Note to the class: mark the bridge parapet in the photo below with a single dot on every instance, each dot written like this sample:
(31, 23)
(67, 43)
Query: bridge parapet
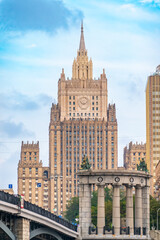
(15, 200)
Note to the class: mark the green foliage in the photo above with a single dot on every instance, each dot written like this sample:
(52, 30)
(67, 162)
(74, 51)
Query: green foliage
(108, 213)
(72, 210)
(85, 163)
(142, 166)
(154, 206)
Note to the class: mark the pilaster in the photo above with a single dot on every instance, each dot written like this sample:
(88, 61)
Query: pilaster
(22, 230)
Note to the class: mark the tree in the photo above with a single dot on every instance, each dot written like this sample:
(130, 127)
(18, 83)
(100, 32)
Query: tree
(142, 166)
(154, 205)
(72, 210)
(85, 163)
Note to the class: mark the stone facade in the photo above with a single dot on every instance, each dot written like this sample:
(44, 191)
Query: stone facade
(81, 123)
(153, 124)
(22, 229)
(133, 155)
(33, 178)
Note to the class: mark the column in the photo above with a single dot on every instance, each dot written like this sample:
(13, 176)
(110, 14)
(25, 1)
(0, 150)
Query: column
(138, 207)
(129, 208)
(22, 229)
(84, 208)
(146, 209)
(100, 209)
(116, 209)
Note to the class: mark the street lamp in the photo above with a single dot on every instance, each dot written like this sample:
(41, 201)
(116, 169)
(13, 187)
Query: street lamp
(157, 217)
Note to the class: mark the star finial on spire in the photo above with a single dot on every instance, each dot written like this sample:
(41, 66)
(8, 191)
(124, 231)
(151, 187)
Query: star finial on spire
(82, 43)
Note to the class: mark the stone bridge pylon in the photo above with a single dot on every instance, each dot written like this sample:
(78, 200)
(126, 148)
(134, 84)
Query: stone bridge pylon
(135, 182)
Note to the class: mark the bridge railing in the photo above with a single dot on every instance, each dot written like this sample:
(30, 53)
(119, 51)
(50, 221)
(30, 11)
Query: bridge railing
(36, 209)
(6, 197)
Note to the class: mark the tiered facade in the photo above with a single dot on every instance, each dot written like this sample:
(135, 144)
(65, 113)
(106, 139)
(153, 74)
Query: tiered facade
(82, 123)
(133, 155)
(33, 178)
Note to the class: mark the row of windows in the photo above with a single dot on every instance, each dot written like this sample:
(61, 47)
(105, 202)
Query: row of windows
(85, 114)
(139, 154)
(73, 97)
(30, 158)
(83, 127)
(70, 114)
(30, 153)
(30, 169)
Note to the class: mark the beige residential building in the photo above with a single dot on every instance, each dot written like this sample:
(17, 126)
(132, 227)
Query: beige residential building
(133, 154)
(33, 178)
(153, 124)
(81, 123)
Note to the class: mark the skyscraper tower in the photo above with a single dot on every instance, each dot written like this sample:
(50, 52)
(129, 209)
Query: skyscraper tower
(81, 123)
(153, 123)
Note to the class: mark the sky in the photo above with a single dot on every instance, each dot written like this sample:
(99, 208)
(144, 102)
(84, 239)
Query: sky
(40, 37)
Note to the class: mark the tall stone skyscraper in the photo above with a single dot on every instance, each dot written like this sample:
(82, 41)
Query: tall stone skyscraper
(81, 123)
(153, 124)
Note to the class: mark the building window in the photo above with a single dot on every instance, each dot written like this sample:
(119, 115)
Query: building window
(30, 158)
(30, 153)
(96, 97)
(73, 97)
(73, 103)
(69, 103)
(69, 97)
(73, 108)
(35, 158)
(92, 108)
(92, 97)
(96, 108)
(92, 103)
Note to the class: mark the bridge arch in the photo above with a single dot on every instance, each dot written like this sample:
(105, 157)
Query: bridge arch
(39, 231)
(7, 230)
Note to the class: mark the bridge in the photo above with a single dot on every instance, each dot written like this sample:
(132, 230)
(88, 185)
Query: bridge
(31, 222)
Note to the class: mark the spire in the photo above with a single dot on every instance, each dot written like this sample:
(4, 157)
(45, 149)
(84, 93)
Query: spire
(82, 43)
